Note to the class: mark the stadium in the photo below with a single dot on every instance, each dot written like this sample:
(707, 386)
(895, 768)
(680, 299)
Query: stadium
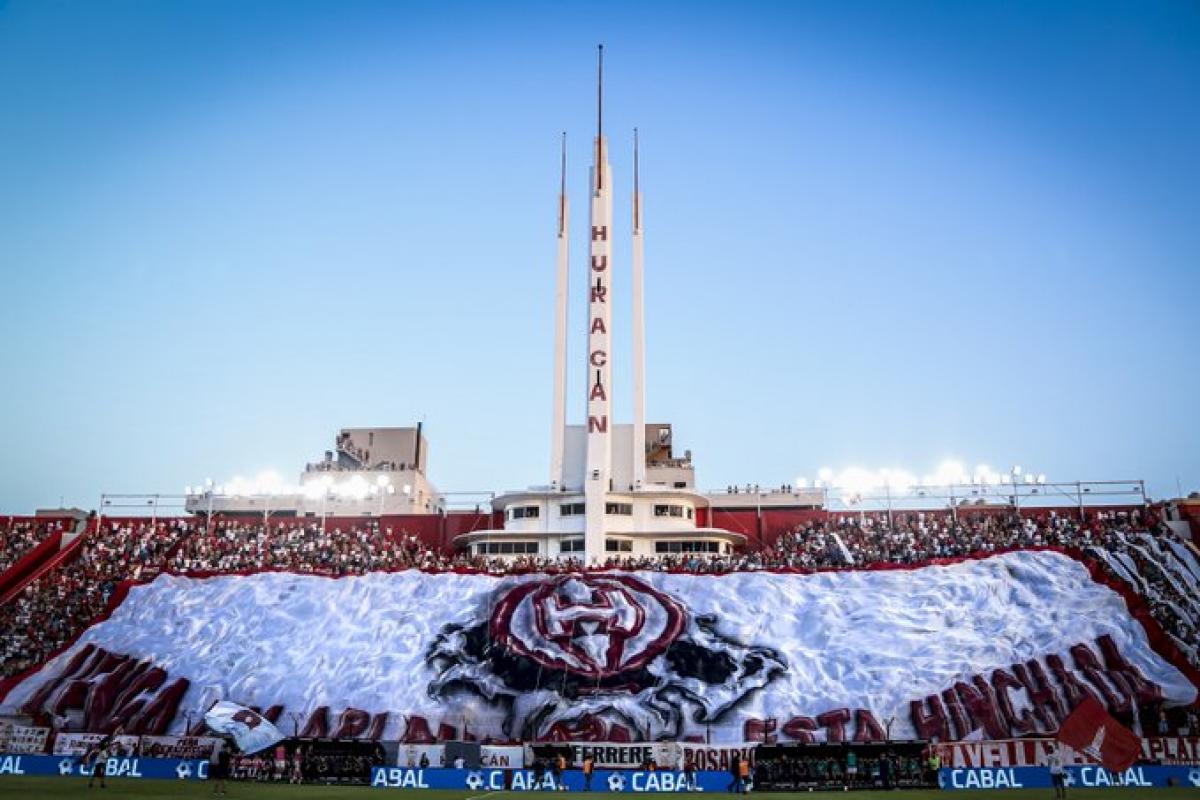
(610, 627)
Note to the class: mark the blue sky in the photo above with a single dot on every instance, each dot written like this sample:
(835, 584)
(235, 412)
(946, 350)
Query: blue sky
(877, 234)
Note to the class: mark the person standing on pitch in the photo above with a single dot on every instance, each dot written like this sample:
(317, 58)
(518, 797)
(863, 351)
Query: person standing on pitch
(100, 764)
(589, 766)
(219, 767)
(1058, 774)
(744, 782)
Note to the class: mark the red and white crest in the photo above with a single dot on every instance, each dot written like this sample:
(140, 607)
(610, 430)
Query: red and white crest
(596, 626)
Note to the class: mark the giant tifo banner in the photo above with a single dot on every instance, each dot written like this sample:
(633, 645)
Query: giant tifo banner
(997, 647)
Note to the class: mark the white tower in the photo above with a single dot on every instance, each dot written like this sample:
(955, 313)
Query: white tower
(638, 446)
(597, 475)
(558, 432)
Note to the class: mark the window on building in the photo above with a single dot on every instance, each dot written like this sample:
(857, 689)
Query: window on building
(687, 547)
(619, 509)
(524, 512)
(669, 511)
(618, 546)
(571, 509)
(571, 546)
(506, 548)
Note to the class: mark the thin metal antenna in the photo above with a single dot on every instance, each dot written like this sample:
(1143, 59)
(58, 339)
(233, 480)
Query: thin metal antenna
(599, 116)
(599, 90)
(637, 211)
(562, 187)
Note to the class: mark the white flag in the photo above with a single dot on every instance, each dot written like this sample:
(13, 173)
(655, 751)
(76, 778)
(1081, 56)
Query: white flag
(248, 728)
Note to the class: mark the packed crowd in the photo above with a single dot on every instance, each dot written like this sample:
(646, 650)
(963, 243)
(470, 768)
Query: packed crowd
(913, 538)
(56, 607)
(19, 537)
(233, 546)
(1166, 574)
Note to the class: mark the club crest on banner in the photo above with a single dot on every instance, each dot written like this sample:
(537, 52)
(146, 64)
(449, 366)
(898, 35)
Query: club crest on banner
(577, 652)
(596, 626)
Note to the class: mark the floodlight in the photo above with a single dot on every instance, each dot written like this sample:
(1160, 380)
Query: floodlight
(383, 480)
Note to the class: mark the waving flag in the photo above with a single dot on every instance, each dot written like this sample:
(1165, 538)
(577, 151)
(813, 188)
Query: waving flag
(1089, 729)
(248, 728)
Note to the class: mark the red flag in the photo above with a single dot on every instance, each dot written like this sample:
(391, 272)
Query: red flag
(1091, 730)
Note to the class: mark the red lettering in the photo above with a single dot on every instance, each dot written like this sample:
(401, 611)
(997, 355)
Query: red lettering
(598, 424)
(760, 730)
(800, 728)
(377, 726)
(599, 293)
(600, 233)
(1125, 674)
(317, 725)
(598, 326)
(597, 393)
(158, 715)
(598, 358)
(352, 724)
(599, 263)
(1073, 688)
(1002, 681)
(73, 696)
(38, 701)
(1087, 663)
(834, 722)
(102, 694)
(143, 681)
(977, 700)
(958, 714)
(932, 724)
(416, 731)
(867, 728)
(1046, 705)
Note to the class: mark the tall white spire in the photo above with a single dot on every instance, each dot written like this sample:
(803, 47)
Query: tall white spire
(599, 363)
(558, 431)
(638, 448)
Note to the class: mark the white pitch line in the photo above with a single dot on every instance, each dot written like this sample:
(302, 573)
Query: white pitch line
(485, 794)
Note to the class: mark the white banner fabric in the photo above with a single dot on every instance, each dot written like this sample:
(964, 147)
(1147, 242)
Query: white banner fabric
(641, 656)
